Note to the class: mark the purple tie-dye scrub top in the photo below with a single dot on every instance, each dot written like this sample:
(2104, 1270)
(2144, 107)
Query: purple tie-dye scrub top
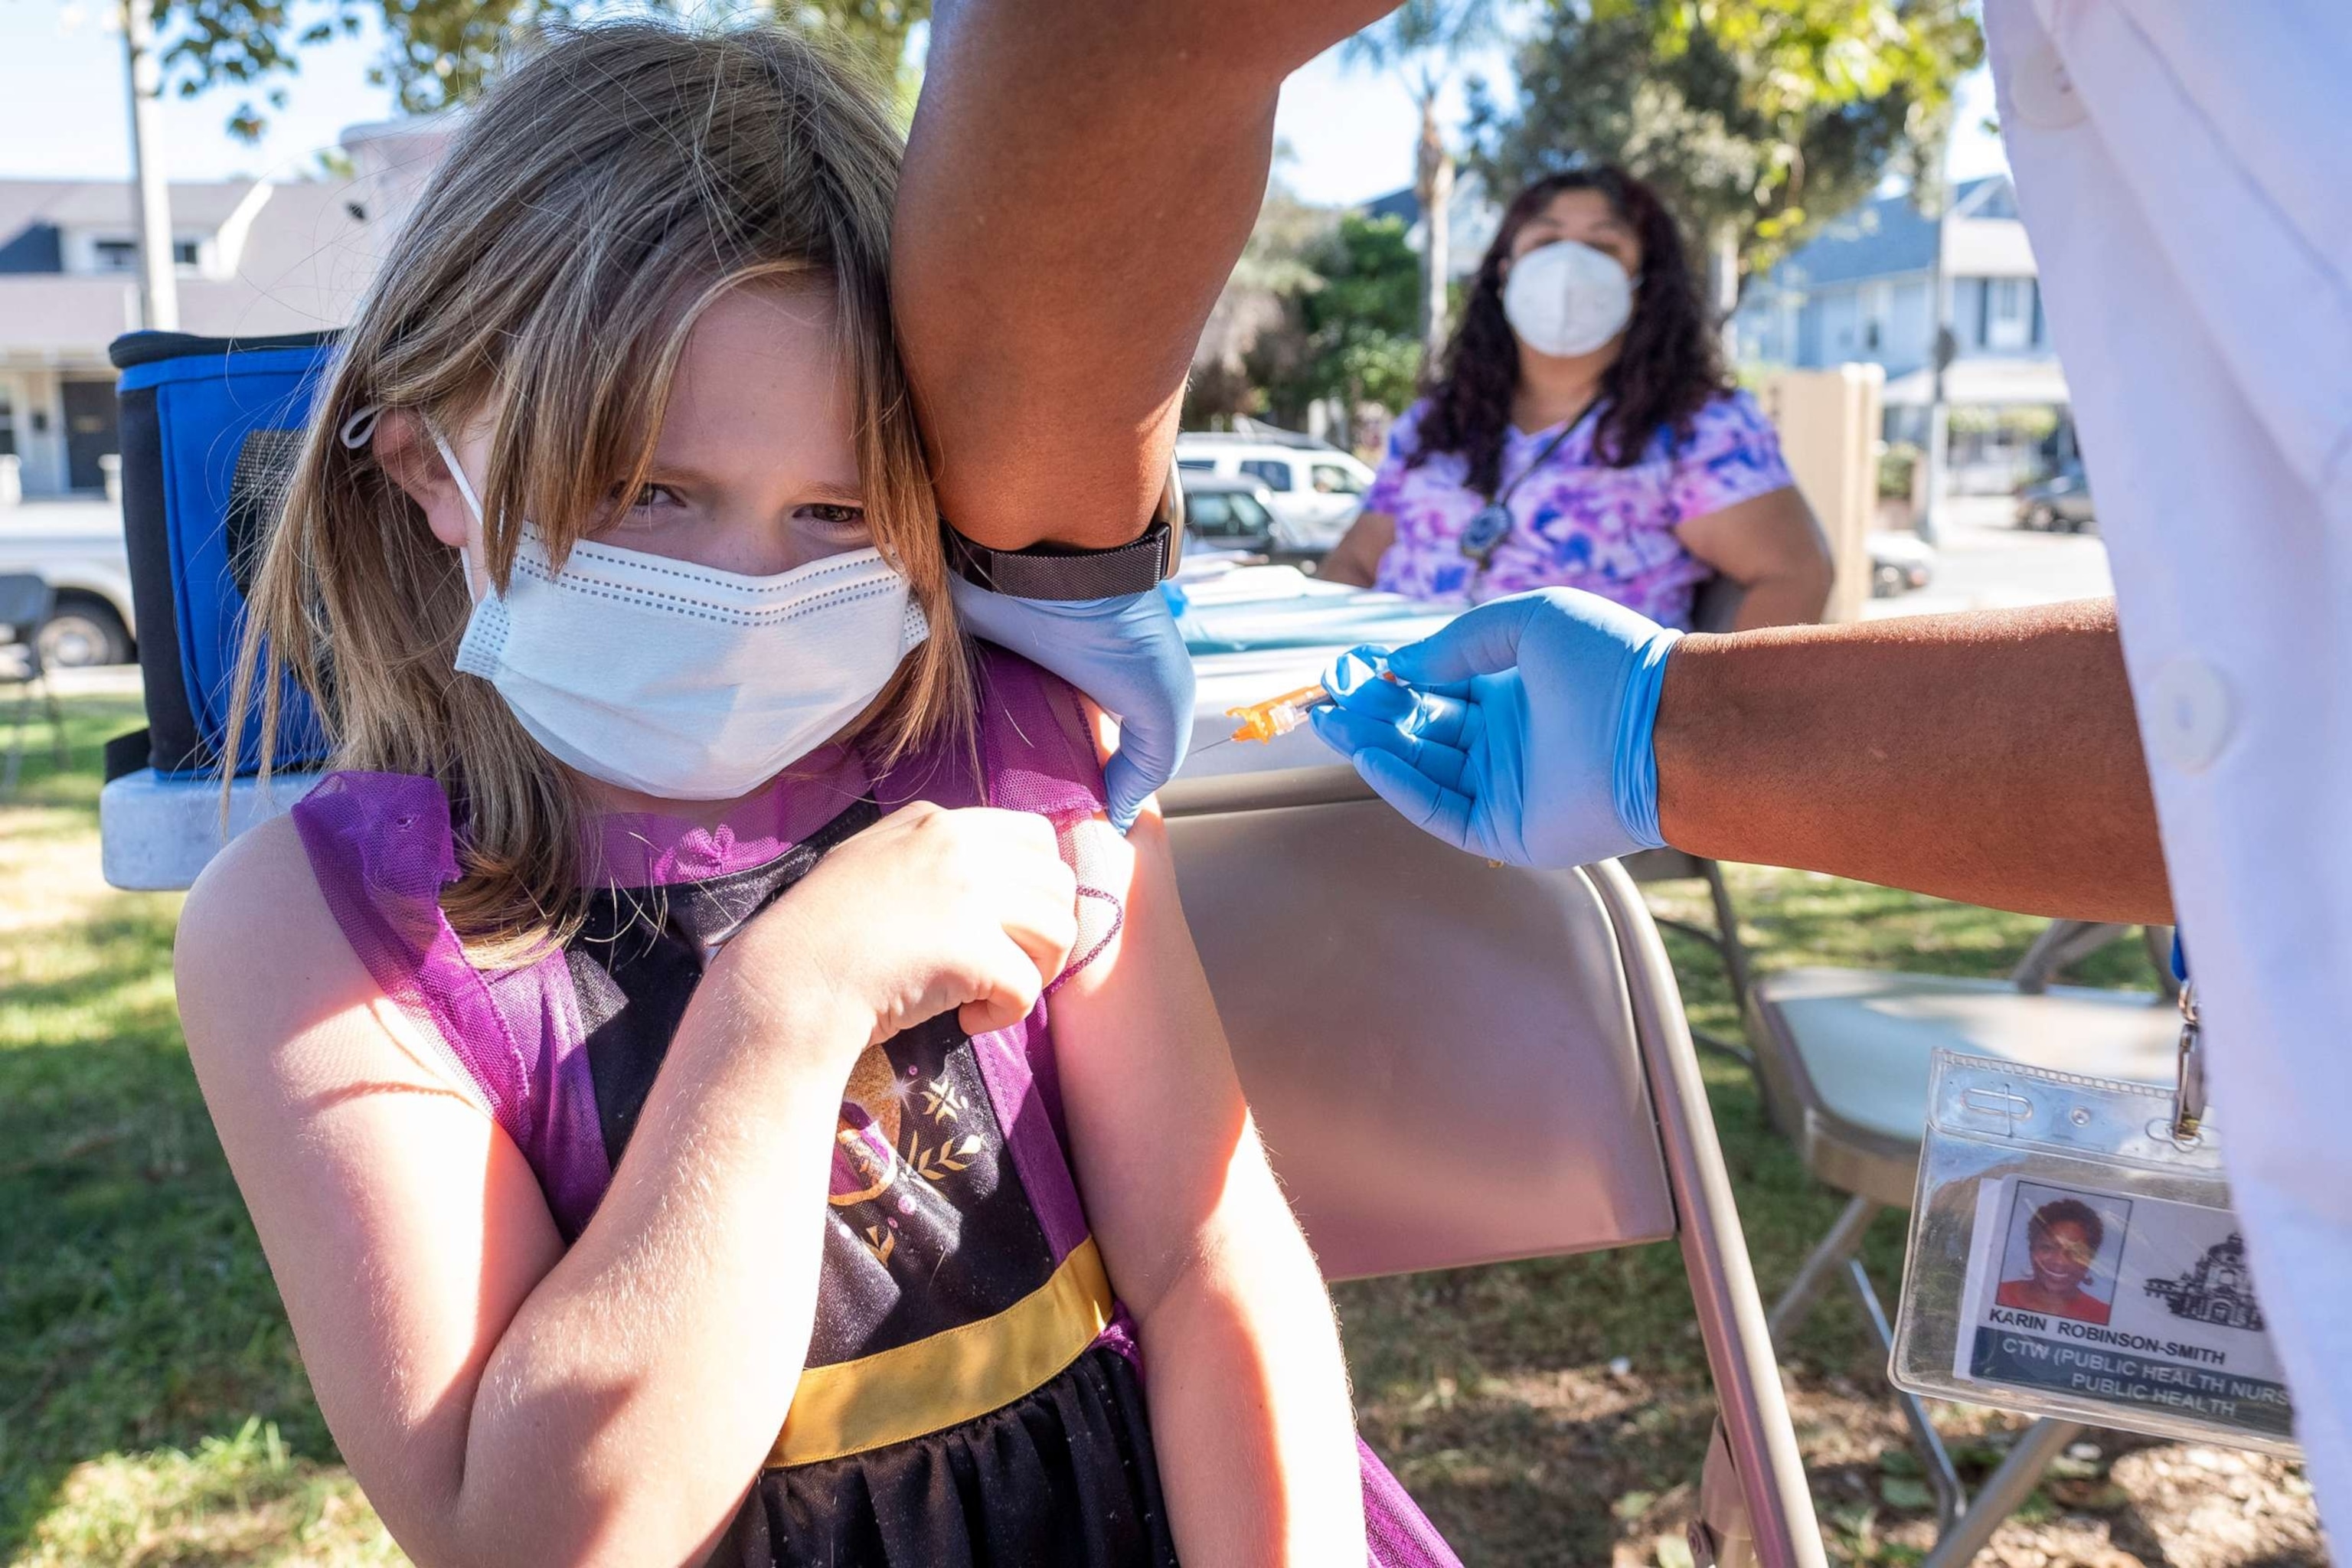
(1576, 522)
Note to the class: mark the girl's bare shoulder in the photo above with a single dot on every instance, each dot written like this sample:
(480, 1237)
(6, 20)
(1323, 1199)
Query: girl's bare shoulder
(258, 952)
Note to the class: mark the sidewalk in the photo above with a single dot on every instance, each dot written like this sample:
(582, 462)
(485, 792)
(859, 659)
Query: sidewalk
(1984, 563)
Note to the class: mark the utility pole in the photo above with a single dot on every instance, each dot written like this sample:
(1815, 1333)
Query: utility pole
(1939, 424)
(1723, 275)
(159, 289)
(1939, 355)
(1433, 187)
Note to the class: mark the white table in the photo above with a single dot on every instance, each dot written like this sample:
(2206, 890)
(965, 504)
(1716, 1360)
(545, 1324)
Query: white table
(1256, 632)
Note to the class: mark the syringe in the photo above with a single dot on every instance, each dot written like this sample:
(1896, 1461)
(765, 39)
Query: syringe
(1277, 715)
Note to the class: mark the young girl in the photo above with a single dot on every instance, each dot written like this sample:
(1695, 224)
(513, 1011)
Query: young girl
(637, 1059)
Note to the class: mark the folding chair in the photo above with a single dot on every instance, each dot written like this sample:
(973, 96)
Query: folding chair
(24, 602)
(1415, 1028)
(1844, 1058)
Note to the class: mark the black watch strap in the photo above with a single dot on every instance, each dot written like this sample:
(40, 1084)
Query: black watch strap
(1061, 572)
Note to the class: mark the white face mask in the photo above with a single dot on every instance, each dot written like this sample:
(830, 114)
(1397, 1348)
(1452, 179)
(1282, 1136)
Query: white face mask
(679, 680)
(1567, 298)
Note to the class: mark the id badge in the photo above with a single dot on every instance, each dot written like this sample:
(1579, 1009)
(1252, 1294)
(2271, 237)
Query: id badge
(2073, 1254)
(1484, 534)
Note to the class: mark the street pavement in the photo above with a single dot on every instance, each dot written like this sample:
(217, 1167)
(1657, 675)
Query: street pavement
(1984, 563)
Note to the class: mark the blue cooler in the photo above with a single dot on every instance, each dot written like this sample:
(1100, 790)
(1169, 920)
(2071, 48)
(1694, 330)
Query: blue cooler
(211, 427)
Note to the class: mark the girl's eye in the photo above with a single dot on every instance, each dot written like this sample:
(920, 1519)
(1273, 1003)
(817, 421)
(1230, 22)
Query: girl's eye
(834, 515)
(649, 497)
(652, 507)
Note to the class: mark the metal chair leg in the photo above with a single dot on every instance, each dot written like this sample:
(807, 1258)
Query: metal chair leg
(2005, 1491)
(16, 743)
(1832, 1252)
(1726, 923)
(59, 755)
(1724, 942)
(1951, 1500)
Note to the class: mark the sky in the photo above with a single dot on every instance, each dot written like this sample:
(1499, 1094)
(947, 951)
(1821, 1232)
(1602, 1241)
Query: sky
(1348, 132)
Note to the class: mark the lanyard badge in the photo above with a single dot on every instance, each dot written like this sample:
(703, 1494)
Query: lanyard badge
(1484, 532)
(1488, 527)
(2073, 1254)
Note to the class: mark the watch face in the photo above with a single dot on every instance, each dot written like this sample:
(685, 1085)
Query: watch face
(1485, 534)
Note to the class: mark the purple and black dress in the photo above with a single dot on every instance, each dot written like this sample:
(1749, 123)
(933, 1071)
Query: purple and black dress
(973, 1393)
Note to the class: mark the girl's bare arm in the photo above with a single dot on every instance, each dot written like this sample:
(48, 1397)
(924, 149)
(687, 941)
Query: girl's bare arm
(1249, 1411)
(505, 1400)
(502, 1400)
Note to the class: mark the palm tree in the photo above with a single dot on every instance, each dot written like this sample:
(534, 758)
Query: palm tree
(1421, 41)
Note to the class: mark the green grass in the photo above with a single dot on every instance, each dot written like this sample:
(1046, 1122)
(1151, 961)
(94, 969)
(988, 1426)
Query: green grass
(140, 1334)
(154, 1410)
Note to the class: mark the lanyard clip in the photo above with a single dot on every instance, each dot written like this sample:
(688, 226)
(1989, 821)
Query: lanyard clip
(2188, 1089)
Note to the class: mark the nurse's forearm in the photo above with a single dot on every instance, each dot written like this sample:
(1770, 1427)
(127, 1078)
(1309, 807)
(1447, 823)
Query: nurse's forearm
(1079, 180)
(1992, 758)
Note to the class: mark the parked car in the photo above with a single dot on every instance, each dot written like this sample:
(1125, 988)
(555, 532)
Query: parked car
(77, 547)
(1314, 490)
(2059, 504)
(1229, 512)
(1899, 563)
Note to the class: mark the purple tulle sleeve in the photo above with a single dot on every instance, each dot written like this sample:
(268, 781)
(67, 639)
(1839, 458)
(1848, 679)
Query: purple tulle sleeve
(382, 849)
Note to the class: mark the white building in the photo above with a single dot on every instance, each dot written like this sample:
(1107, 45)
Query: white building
(255, 259)
(1859, 291)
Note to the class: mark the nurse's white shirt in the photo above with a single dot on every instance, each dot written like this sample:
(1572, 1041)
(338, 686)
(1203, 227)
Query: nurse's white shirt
(2185, 172)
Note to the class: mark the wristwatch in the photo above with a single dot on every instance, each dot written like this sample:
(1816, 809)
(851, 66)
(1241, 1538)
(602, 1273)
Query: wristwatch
(1063, 572)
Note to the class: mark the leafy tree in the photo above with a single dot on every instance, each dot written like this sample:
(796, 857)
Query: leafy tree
(1252, 335)
(1422, 41)
(1344, 325)
(438, 53)
(1757, 119)
(1360, 323)
(1322, 305)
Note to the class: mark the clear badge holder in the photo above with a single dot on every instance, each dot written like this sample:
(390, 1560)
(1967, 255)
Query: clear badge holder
(2073, 1254)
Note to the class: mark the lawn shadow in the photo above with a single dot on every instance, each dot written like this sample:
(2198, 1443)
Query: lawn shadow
(135, 1307)
(135, 1311)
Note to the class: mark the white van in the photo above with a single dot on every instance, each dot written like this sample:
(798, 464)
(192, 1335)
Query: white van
(76, 546)
(1315, 489)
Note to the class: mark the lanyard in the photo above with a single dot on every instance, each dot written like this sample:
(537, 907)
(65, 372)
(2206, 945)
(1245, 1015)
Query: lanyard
(1484, 532)
(2188, 1085)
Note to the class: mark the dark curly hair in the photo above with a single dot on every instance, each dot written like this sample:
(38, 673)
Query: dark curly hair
(1668, 369)
(2068, 1210)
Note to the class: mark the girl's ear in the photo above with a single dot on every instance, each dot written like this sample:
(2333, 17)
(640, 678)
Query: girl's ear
(413, 460)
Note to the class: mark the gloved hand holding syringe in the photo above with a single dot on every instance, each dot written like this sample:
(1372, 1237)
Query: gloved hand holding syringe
(1278, 716)
(1521, 732)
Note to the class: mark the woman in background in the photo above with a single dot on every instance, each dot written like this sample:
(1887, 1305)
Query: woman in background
(1583, 433)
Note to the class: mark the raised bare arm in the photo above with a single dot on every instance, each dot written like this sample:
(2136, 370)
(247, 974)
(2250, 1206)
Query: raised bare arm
(1079, 181)
(1992, 758)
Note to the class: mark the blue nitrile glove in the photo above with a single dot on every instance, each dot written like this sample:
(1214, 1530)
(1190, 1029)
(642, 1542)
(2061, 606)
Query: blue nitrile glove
(1125, 653)
(1523, 729)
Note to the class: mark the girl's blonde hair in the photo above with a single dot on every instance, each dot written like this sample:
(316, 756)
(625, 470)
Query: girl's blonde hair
(616, 181)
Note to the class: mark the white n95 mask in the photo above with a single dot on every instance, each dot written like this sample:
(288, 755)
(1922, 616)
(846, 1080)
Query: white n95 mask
(1567, 298)
(679, 680)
